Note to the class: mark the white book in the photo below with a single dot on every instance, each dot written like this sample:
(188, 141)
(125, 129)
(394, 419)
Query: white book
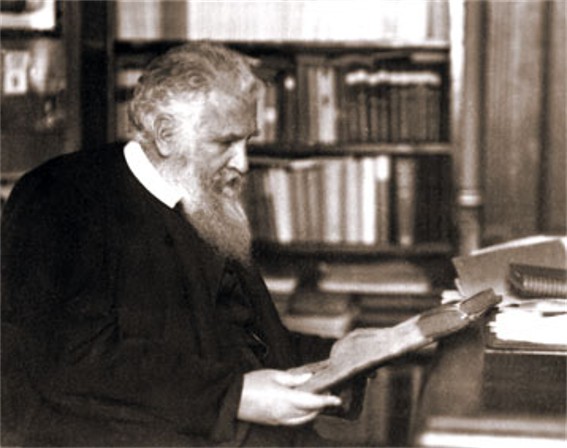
(281, 195)
(333, 200)
(352, 201)
(383, 173)
(368, 201)
(327, 105)
(137, 20)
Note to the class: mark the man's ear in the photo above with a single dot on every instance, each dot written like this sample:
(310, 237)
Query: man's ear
(164, 130)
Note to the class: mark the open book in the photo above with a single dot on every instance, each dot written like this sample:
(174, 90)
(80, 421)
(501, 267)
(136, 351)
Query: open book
(380, 345)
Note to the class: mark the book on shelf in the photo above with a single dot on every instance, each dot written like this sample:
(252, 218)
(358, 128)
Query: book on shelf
(383, 176)
(267, 114)
(314, 312)
(334, 222)
(391, 277)
(288, 106)
(405, 169)
(279, 183)
(315, 302)
(352, 201)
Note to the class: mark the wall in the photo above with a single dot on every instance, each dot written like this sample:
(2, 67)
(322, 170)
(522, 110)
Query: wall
(523, 119)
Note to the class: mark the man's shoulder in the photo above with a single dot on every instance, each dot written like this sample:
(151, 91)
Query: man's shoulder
(82, 169)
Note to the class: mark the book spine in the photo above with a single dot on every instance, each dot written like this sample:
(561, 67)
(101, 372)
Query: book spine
(394, 104)
(383, 173)
(333, 203)
(352, 201)
(405, 194)
(281, 193)
(303, 104)
(327, 102)
(368, 201)
(288, 107)
(312, 191)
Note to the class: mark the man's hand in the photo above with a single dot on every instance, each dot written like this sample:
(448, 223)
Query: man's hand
(269, 398)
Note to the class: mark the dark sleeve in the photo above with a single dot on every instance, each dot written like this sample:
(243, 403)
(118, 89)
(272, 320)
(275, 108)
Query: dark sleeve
(54, 256)
(310, 348)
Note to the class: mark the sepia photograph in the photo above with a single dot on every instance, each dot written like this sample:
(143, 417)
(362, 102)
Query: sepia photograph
(283, 223)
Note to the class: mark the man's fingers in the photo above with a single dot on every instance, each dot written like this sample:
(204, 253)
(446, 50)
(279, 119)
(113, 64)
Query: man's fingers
(303, 419)
(308, 401)
(292, 380)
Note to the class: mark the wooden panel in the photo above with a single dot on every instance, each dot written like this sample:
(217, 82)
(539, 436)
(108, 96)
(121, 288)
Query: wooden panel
(553, 195)
(513, 125)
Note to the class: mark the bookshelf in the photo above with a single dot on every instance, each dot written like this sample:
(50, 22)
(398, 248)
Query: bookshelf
(40, 112)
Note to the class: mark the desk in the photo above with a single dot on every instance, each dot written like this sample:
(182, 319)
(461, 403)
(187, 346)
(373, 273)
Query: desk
(479, 397)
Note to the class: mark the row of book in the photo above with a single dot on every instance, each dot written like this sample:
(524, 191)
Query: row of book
(253, 20)
(323, 102)
(370, 200)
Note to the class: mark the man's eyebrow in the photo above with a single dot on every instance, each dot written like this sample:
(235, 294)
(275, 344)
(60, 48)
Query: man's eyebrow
(233, 136)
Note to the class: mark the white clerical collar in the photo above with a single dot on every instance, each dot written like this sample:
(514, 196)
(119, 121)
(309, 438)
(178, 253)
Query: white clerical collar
(149, 177)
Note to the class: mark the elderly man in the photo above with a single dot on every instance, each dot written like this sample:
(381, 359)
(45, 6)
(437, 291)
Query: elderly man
(129, 288)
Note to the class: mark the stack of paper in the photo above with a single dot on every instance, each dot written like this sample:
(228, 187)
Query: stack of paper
(530, 275)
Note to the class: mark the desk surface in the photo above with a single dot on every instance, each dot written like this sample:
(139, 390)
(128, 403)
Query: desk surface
(479, 397)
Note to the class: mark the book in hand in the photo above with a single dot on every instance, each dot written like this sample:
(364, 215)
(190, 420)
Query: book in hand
(528, 280)
(374, 347)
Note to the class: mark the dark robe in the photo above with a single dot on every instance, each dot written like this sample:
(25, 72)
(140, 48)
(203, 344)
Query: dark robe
(116, 316)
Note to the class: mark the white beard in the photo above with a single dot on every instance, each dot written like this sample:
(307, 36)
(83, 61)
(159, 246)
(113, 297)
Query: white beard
(220, 219)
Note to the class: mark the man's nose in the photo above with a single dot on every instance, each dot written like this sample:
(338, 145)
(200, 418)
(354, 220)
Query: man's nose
(239, 158)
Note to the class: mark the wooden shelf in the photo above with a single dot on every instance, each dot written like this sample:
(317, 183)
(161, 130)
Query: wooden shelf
(294, 46)
(324, 250)
(345, 149)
